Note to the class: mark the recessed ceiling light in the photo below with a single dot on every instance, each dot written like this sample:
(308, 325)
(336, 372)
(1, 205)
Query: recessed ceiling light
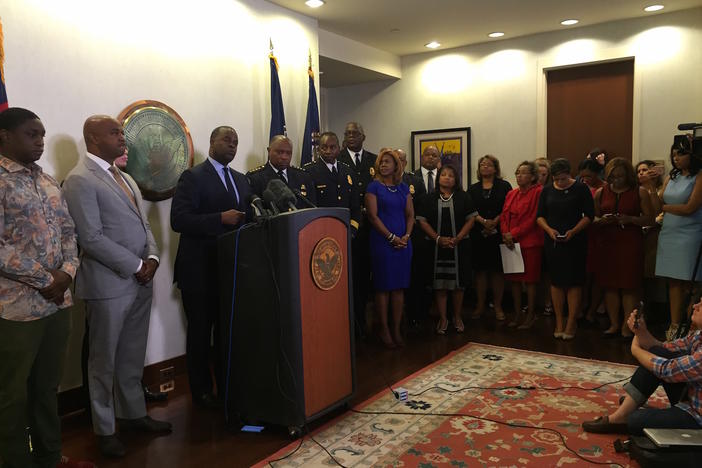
(496, 34)
(432, 45)
(651, 8)
(314, 3)
(395, 30)
(569, 22)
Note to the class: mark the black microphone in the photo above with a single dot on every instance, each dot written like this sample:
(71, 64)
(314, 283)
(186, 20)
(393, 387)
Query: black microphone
(689, 126)
(269, 197)
(304, 199)
(284, 198)
(257, 205)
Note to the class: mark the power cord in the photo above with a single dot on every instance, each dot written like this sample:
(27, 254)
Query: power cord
(504, 423)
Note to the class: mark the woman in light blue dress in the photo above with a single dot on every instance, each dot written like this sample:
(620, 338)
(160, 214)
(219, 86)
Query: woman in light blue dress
(681, 235)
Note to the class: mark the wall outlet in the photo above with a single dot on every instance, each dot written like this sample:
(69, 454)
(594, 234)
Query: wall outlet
(167, 379)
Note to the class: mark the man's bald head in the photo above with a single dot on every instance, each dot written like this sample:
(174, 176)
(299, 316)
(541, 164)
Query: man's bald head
(224, 141)
(280, 152)
(431, 158)
(104, 137)
(354, 136)
(402, 155)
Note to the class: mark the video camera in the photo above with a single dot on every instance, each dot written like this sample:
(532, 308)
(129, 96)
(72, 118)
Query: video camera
(689, 143)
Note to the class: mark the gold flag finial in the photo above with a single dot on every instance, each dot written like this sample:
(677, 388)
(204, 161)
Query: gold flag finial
(309, 51)
(270, 41)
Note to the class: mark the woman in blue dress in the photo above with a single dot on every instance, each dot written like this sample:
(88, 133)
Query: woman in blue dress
(681, 235)
(391, 213)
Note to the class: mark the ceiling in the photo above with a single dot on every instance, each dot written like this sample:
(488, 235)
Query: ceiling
(456, 23)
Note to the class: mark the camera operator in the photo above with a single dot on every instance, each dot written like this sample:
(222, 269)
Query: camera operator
(677, 365)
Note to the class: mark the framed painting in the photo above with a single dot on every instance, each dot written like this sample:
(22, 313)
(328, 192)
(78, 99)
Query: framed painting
(453, 145)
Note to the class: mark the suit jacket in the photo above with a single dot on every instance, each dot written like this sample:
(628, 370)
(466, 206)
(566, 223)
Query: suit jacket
(199, 199)
(297, 179)
(364, 174)
(113, 234)
(333, 191)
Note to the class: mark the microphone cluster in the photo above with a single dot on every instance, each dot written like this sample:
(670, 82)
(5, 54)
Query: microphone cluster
(277, 198)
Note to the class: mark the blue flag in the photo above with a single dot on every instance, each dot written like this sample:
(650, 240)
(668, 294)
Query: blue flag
(3, 93)
(312, 122)
(277, 113)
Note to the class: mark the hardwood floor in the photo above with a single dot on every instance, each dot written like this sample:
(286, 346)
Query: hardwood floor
(201, 439)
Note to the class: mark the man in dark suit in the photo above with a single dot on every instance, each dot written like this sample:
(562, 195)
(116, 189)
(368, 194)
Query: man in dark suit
(278, 167)
(419, 294)
(362, 163)
(211, 199)
(118, 262)
(431, 163)
(333, 180)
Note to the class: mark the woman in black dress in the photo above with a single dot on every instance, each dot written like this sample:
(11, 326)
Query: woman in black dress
(565, 210)
(488, 195)
(446, 217)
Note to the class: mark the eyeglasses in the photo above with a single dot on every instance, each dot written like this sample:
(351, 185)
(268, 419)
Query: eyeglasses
(352, 133)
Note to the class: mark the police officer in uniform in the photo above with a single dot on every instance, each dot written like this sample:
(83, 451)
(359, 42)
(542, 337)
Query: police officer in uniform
(278, 167)
(362, 163)
(334, 184)
(416, 187)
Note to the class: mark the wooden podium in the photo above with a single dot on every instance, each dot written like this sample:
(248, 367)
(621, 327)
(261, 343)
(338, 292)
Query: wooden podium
(287, 317)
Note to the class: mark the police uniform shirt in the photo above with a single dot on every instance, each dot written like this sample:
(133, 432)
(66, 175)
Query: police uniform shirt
(363, 173)
(294, 177)
(338, 190)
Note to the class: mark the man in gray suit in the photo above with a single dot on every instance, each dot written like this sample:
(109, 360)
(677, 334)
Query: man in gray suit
(118, 262)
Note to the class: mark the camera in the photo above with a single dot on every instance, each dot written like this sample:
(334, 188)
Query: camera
(689, 143)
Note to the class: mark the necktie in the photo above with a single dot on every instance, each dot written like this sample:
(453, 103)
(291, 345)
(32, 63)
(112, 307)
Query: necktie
(430, 182)
(122, 184)
(335, 173)
(358, 160)
(281, 174)
(230, 187)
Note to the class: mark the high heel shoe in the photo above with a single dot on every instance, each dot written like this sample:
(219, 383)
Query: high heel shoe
(441, 327)
(387, 340)
(558, 335)
(528, 322)
(460, 327)
(567, 337)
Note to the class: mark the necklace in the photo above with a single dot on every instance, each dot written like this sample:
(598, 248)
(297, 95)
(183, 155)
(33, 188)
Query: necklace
(393, 190)
(445, 199)
(487, 193)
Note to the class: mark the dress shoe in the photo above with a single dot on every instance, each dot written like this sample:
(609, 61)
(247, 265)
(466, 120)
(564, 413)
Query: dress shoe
(145, 424)
(528, 321)
(111, 447)
(460, 327)
(566, 336)
(558, 335)
(154, 396)
(66, 462)
(602, 425)
(207, 401)
(441, 327)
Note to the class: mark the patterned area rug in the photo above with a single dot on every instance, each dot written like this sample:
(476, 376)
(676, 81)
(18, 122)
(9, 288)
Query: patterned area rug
(405, 434)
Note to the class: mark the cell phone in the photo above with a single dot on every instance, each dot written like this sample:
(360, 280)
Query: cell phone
(639, 312)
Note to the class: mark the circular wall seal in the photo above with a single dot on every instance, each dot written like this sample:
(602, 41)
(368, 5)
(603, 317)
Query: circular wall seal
(160, 147)
(327, 263)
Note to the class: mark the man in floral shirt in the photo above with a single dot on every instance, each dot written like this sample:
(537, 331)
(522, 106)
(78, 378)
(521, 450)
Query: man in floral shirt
(38, 260)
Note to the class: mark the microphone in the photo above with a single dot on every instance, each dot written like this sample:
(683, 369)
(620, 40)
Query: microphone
(257, 205)
(305, 200)
(270, 199)
(689, 126)
(284, 198)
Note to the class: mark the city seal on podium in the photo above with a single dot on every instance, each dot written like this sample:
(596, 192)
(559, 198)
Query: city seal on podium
(327, 263)
(160, 147)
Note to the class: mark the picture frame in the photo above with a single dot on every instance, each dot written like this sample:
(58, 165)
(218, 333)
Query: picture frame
(453, 145)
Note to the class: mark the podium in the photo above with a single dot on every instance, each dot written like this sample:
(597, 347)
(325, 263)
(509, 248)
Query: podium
(286, 317)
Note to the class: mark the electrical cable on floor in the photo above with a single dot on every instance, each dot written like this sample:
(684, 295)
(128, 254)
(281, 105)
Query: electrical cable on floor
(504, 423)
(270, 462)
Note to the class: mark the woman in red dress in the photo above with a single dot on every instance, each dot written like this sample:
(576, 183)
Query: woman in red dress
(518, 224)
(621, 209)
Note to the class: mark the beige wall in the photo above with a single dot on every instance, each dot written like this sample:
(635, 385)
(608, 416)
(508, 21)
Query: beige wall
(208, 60)
(498, 89)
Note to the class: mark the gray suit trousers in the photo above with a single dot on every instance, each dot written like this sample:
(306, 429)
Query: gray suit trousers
(118, 330)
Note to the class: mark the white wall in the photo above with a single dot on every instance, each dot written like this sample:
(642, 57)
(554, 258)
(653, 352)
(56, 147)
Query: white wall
(498, 89)
(208, 60)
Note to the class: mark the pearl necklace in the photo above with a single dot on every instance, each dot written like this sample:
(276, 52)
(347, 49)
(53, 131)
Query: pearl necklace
(446, 199)
(393, 190)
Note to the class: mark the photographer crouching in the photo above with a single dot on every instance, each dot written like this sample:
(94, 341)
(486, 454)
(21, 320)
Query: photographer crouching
(677, 365)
